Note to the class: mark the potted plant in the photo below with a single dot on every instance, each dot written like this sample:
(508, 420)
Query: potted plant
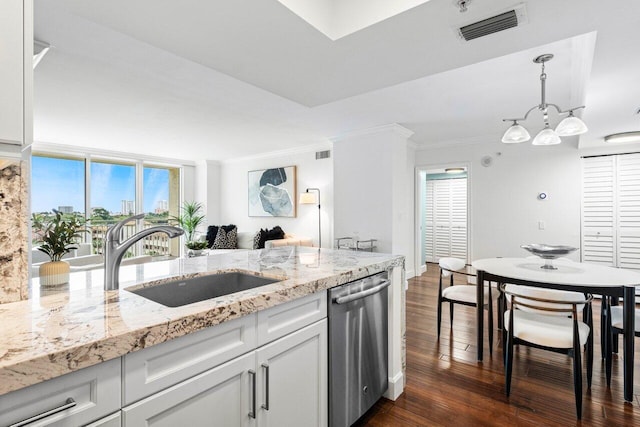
(58, 237)
(189, 220)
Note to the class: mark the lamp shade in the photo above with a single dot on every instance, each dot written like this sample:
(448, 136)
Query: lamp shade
(571, 126)
(547, 136)
(516, 134)
(308, 199)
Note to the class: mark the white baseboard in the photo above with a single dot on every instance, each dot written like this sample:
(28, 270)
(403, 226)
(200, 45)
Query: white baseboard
(396, 387)
(423, 268)
(410, 274)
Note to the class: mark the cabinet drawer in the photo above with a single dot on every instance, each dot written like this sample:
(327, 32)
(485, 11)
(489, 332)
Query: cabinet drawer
(221, 396)
(113, 420)
(156, 368)
(283, 319)
(95, 390)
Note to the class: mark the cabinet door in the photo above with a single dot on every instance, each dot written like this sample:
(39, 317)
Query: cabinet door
(296, 391)
(11, 71)
(221, 396)
(113, 420)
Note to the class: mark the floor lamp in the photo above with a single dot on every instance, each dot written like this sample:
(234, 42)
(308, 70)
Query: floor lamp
(308, 198)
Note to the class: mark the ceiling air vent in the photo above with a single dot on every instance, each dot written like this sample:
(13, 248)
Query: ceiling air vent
(323, 154)
(504, 21)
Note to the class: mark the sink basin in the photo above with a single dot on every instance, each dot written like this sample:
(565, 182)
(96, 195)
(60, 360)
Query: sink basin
(177, 293)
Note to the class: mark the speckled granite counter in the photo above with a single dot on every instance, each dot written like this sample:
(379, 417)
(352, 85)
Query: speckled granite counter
(60, 330)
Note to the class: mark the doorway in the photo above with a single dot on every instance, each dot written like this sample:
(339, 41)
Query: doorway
(443, 212)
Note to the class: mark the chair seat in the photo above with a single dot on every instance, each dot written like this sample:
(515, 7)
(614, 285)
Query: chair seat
(617, 321)
(451, 264)
(543, 330)
(466, 293)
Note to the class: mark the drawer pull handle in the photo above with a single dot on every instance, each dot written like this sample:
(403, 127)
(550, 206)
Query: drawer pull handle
(252, 414)
(69, 403)
(265, 405)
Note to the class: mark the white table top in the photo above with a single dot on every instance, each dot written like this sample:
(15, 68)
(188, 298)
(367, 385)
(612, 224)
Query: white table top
(567, 273)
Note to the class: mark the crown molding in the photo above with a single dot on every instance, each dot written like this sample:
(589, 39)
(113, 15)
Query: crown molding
(311, 148)
(474, 140)
(73, 150)
(391, 127)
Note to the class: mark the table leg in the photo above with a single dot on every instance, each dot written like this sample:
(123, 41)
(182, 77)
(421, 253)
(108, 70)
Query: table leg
(480, 312)
(628, 316)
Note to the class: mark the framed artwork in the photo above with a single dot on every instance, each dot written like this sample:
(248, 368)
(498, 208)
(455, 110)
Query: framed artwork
(272, 192)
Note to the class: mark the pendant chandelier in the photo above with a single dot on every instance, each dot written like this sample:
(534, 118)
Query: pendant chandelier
(569, 126)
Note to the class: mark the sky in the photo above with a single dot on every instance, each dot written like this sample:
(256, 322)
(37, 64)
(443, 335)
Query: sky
(60, 182)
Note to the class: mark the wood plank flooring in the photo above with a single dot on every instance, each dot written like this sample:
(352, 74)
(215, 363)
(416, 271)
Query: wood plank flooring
(446, 386)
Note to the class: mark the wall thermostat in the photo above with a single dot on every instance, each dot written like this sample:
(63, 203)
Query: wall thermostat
(542, 196)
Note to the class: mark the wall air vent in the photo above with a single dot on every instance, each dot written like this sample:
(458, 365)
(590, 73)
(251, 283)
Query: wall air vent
(509, 19)
(323, 154)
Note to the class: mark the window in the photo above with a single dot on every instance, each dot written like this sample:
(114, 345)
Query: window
(115, 190)
(113, 198)
(56, 184)
(161, 190)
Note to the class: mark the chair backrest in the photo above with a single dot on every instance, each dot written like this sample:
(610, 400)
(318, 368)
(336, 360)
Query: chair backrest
(551, 302)
(448, 265)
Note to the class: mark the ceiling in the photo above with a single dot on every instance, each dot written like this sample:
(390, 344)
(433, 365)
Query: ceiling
(223, 79)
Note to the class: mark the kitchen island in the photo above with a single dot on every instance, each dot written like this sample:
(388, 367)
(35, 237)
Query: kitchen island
(59, 331)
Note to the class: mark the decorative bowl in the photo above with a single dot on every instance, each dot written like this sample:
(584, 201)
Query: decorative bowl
(548, 252)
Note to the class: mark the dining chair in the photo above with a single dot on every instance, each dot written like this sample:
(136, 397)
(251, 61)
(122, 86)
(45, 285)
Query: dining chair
(548, 319)
(614, 323)
(463, 294)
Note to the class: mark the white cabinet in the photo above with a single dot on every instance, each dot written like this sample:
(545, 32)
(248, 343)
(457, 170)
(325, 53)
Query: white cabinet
(12, 45)
(87, 395)
(113, 420)
(155, 368)
(218, 397)
(292, 374)
(282, 383)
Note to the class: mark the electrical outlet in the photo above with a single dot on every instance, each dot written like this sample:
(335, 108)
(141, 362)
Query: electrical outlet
(541, 225)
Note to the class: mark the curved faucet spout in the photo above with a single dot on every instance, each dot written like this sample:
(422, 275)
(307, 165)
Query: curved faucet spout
(114, 250)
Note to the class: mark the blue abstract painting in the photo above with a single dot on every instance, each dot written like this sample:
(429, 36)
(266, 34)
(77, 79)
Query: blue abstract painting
(272, 192)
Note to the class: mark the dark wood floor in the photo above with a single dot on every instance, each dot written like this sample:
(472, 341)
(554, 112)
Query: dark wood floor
(446, 386)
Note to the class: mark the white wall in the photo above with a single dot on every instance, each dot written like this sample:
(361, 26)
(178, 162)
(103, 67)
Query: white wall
(504, 209)
(207, 189)
(373, 184)
(310, 173)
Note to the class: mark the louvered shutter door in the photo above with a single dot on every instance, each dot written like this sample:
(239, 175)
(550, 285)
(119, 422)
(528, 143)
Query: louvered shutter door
(442, 230)
(458, 218)
(429, 223)
(598, 210)
(628, 210)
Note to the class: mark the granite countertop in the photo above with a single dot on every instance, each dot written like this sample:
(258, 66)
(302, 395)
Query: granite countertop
(61, 330)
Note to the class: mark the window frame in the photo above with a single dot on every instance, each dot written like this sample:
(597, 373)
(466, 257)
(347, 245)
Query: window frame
(138, 162)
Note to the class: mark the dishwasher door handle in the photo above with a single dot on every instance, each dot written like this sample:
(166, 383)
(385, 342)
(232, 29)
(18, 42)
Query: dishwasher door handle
(348, 298)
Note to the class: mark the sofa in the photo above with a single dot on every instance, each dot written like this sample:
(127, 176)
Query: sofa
(245, 242)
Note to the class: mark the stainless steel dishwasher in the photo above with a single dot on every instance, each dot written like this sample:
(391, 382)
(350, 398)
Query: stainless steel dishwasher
(357, 348)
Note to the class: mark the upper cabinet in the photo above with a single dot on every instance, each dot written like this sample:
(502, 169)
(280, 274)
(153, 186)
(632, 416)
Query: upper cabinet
(16, 47)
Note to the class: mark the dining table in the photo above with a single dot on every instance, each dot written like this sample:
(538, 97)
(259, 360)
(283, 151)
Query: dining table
(594, 279)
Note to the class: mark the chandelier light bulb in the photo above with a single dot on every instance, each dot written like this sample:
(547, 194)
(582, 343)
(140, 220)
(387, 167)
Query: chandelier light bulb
(516, 134)
(546, 136)
(571, 126)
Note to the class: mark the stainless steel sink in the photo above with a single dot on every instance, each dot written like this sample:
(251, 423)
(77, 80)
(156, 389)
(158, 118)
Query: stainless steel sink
(177, 293)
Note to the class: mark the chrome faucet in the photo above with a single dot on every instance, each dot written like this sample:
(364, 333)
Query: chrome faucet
(114, 249)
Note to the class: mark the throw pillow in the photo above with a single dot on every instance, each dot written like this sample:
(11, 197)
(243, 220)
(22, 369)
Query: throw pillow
(256, 240)
(212, 232)
(265, 234)
(226, 240)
